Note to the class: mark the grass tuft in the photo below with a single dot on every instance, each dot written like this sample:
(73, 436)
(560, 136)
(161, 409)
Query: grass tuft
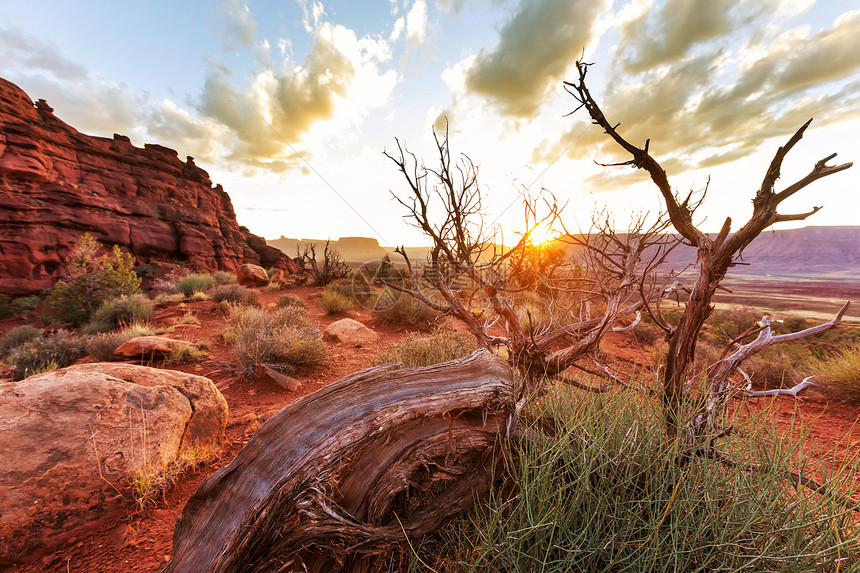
(118, 312)
(441, 345)
(194, 283)
(335, 302)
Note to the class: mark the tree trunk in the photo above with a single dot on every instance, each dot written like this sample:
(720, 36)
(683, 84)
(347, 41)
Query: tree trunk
(338, 478)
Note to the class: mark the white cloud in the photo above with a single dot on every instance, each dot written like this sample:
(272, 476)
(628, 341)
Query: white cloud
(416, 23)
(236, 26)
(397, 30)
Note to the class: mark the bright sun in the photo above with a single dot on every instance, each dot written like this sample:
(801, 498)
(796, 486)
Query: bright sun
(542, 234)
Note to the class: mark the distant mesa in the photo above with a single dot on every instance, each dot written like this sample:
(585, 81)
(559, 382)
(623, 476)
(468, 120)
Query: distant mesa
(57, 184)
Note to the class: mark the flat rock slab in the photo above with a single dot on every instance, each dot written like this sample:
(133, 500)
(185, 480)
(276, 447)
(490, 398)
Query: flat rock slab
(73, 438)
(148, 346)
(351, 332)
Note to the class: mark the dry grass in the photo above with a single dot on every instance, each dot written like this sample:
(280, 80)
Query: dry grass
(148, 483)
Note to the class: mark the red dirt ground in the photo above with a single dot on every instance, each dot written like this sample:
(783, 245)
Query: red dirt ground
(129, 541)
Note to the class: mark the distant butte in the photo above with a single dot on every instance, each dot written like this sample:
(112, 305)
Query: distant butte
(57, 184)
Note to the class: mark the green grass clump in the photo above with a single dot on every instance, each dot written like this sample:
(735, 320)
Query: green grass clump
(839, 375)
(235, 293)
(198, 282)
(5, 307)
(286, 300)
(405, 310)
(102, 346)
(118, 312)
(283, 340)
(607, 492)
(25, 305)
(223, 278)
(46, 353)
(14, 338)
(335, 302)
(441, 345)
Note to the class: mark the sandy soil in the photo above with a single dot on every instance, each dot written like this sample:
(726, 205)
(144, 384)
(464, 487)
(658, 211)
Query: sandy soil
(131, 541)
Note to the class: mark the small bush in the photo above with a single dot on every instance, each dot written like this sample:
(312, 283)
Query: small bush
(89, 280)
(145, 270)
(198, 296)
(282, 340)
(25, 305)
(271, 287)
(235, 293)
(440, 346)
(118, 312)
(334, 302)
(165, 287)
(223, 278)
(5, 308)
(406, 310)
(16, 337)
(291, 300)
(149, 482)
(647, 334)
(840, 375)
(198, 282)
(102, 346)
(186, 353)
(46, 353)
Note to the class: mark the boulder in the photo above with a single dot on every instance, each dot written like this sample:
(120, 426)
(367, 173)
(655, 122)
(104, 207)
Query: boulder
(72, 440)
(350, 332)
(146, 346)
(57, 184)
(252, 276)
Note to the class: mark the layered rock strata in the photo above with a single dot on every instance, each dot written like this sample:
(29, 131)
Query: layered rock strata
(57, 184)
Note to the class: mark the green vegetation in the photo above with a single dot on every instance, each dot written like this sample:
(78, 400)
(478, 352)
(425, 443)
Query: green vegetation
(16, 337)
(223, 278)
(606, 493)
(839, 375)
(283, 340)
(5, 308)
(441, 345)
(235, 293)
(45, 353)
(118, 312)
(102, 346)
(335, 302)
(405, 311)
(149, 482)
(89, 280)
(198, 282)
(25, 305)
(286, 300)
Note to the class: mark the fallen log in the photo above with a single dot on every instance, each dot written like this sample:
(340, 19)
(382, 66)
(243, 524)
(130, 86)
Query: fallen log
(338, 478)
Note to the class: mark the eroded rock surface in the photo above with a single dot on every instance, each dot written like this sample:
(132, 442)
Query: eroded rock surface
(350, 332)
(57, 184)
(71, 439)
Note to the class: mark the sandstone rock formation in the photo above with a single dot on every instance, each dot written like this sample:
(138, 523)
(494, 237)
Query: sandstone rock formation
(148, 346)
(350, 332)
(72, 438)
(56, 184)
(252, 275)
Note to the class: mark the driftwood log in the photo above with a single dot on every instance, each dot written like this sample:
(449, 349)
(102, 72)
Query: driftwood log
(338, 478)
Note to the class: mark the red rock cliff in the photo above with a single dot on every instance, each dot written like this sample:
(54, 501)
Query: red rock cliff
(57, 184)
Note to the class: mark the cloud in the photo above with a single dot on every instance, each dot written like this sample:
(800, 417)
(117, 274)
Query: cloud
(416, 23)
(339, 77)
(665, 35)
(705, 107)
(21, 52)
(536, 46)
(397, 30)
(235, 25)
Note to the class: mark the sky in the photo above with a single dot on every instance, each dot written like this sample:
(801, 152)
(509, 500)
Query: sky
(290, 104)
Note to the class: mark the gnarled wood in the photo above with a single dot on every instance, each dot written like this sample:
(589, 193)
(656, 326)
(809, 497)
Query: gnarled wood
(340, 476)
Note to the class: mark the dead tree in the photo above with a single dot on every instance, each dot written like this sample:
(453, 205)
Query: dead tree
(339, 478)
(715, 255)
(583, 299)
(324, 271)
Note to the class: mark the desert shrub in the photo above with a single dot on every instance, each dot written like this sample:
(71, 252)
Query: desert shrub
(273, 286)
(197, 282)
(16, 337)
(186, 353)
(647, 334)
(282, 341)
(839, 375)
(335, 302)
(145, 269)
(118, 312)
(89, 280)
(165, 287)
(25, 305)
(101, 346)
(46, 353)
(198, 296)
(149, 481)
(5, 308)
(223, 278)
(234, 293)
(405, 310)
(441, 345)
(603, 495)
(291, 300)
